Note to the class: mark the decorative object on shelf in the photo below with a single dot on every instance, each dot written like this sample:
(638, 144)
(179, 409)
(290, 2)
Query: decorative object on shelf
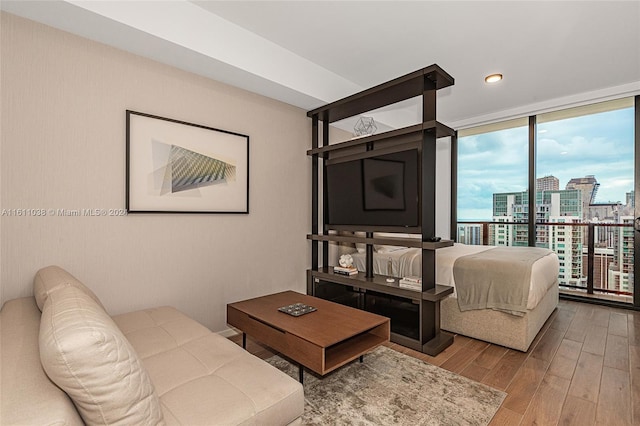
(297, 309)
(365, 126)
(346, 260)
(390, 271)
(178, 167)
(411, 283)
(348, 270)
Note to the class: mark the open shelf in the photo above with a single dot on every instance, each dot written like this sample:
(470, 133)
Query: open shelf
(348, 350)
(389, 241)
(410, 134)
(379, 283)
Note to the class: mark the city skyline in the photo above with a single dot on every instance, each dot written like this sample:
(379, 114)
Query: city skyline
(599, 144)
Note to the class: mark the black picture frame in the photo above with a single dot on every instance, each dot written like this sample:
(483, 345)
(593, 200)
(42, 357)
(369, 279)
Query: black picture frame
(383, 185)
(174, 166)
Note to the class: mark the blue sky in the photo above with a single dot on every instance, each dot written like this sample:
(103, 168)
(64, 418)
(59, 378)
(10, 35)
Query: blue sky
(597, 144)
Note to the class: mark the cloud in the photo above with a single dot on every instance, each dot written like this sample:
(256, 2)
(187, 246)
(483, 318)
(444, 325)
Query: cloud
(598, 144)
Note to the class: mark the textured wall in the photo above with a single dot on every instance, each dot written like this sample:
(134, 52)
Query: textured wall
(63, 147)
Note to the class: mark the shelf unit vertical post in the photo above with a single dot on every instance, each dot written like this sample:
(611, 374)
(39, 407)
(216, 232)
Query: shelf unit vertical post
(433, 340)
(428, 202)
(314, 202)
(325, 207)
(428, 184)
(429, 100)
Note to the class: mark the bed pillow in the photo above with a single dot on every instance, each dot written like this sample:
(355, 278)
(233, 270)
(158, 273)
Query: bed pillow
(344, 247)
(361, 247)
(87, 356)
(387, 248)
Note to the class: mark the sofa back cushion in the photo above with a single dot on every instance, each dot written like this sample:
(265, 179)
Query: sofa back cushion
(52, 278)
(27, 396)
(86, 355)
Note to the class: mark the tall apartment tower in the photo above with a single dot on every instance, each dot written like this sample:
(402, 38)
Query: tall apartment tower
(589, 187)
(631, 199)
(470, 233)
(621, 268)
(547, 183)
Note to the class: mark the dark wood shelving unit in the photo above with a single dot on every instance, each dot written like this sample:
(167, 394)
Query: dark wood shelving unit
(415, 315)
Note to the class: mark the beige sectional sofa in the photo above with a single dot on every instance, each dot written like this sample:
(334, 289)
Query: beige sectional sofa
(65, 361)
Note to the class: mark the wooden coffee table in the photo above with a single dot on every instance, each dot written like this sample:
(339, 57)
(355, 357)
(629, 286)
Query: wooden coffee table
(322, 340)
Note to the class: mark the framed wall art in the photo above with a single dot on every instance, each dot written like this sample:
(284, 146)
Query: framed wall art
(179, 167)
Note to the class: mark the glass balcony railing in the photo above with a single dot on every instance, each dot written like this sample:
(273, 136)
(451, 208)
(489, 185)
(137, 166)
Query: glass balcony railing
(596, 258)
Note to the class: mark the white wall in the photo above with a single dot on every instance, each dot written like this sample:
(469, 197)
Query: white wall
(63, 147)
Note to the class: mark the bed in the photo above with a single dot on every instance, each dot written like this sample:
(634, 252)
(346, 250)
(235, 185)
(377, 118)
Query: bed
(491, 325)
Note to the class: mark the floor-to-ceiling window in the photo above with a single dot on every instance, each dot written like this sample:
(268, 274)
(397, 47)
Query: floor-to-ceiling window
(584, 192)
(585, 156)
(492, 183)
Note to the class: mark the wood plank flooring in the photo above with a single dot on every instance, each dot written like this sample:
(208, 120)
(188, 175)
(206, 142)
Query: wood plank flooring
(582, 369)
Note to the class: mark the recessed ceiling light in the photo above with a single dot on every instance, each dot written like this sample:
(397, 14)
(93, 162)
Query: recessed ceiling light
(493, 78)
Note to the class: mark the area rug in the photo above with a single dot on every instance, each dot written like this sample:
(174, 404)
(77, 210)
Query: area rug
(390, 388)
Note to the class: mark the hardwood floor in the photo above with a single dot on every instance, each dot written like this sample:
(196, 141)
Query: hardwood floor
(583, 368)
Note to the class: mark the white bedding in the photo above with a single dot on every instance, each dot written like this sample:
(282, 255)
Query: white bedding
(408, 261)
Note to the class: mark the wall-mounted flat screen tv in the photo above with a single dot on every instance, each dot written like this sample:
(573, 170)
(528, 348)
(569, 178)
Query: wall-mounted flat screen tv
(381, 190)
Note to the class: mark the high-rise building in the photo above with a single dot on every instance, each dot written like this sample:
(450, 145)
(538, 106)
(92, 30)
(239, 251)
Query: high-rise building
(470, 233)
(566, 241)
(602, 267)
(589, 187)
(510, 207)
(621, 269)
(547, 183)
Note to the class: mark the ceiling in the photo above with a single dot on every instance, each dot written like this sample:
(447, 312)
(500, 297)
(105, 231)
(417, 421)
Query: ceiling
(308, 53)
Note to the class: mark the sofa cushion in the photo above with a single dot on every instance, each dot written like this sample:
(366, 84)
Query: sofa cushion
(204, 378)
(52, 278)
(85, 353)
(28, 396)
